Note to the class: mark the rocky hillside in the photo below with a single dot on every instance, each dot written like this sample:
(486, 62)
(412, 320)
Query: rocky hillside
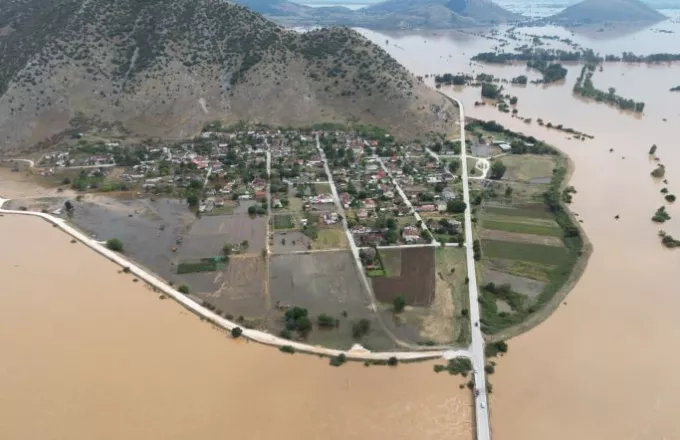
(164, 68)
(600, 11)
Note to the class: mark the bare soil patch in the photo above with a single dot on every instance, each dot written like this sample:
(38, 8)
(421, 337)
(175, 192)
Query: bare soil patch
(289, 241)
(416, 281)
(239, 289)
(208, 235)
(491, 234)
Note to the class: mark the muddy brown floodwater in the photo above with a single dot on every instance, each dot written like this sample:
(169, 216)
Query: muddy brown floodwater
(605, 365)
(88, 353)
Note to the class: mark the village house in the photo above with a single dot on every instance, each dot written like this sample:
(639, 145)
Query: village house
(410, 234)
(427, 208)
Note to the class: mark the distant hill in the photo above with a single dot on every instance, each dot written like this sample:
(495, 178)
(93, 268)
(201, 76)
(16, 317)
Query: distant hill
(166, 67)
(390, 14)
(600, 11)
(477, 12)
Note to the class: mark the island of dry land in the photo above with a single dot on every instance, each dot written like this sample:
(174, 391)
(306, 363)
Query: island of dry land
(330, 235)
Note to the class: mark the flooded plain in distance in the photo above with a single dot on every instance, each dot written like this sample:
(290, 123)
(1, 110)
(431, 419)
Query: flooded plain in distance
(604, 365)
(89, 353)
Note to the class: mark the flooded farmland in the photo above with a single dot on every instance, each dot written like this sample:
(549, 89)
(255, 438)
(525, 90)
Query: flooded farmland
(88, 353)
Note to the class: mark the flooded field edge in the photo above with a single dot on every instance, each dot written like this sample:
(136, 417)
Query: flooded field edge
(255, 335)
(151, 348)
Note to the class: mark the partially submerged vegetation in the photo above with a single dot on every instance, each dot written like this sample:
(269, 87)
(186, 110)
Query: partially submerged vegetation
(668, 241)
(585, 88)
(659, 171)
(661, 215)
(552, 72)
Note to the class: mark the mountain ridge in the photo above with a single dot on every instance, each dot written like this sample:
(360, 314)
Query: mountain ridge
(166, 68)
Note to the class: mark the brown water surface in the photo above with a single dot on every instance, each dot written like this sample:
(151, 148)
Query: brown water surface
(604, 366)
(89, 354)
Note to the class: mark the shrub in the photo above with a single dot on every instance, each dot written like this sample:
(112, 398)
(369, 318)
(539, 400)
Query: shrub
(286, 334)
(115, 245)
(236, 332)
(338, 360)
(653, 149)
(183, 289)
(490, 369)
(670, 198)
(661, 215)
(361, 328)
(325, 320)
(399, 304)
(493, 349)
(287, 349)
(126, 269)
(659, 172)
(393, 361)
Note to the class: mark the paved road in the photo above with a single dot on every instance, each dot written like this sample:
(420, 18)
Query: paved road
(477, 346)
(401, 192)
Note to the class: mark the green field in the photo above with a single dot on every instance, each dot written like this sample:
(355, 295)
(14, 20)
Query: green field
(210, 264)
(525, 252)
(322, 188)
(283, 221)
(331, 238)
(539, 212)
(526, 167)
(523, 228)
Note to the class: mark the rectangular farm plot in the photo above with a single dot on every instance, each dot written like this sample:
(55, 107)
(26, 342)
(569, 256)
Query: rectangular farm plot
(518, 226)
(552, 255)
(516, 237)
(209, 234)
(283, 221)
(323, 283)
(528, 167)
(416, 282)
(239, 290)
(532, 211)
(330, 238)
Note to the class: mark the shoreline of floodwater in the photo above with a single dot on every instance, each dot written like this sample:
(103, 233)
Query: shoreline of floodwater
(251, 334)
